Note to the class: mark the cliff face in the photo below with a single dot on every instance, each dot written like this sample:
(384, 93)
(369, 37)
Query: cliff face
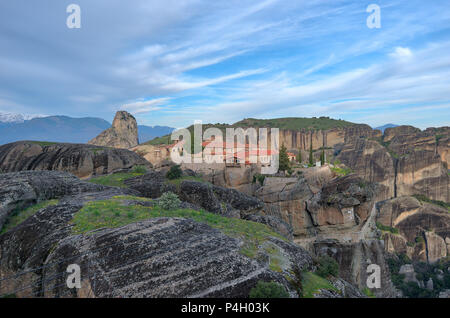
(303, 139)
(421, 229)
(83, 161)
(407, 161)
(122, 134)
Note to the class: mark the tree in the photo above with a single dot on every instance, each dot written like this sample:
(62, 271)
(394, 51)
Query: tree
(174, 172)
(268, 290)
(311, 159)
(284, 159)
(299, 156)
(322, 157)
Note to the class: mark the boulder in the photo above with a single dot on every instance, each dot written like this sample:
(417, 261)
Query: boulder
(122, 134)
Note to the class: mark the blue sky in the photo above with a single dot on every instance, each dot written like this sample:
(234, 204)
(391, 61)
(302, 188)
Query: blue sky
(171, 62)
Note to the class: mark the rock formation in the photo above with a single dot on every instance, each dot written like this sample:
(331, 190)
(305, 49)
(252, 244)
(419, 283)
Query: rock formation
(81, 160)
(156, 257)
(420, 228)
(122, 134)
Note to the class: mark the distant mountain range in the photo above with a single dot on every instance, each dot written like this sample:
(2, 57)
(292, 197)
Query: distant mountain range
(14, 127)
(382, 128)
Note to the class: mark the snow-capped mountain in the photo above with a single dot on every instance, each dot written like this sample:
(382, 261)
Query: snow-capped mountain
(14, 118)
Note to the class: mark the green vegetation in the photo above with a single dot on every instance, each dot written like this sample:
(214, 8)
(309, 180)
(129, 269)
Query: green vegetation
(295, 123)
(299, 156)
(18, 216)
(174, 172)
(322, 157)
(169, 201)
(312, 283)
(115, 179)
(44, 143)
(424, 272)
(139, 169)
(424, 198)
(368, 293)
(177, 182)
(291, 123)
(163, 140)
(341, 171)
(386, 228)
(268, 290)
(327, 267)
(9, 296)
(285, 164)
(311, 158)
(260, 178)
(115, 213)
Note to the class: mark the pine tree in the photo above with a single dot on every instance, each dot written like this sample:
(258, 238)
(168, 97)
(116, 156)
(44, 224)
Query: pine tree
(299, 156)
(322, 157)
(284, 159)
(311, 159)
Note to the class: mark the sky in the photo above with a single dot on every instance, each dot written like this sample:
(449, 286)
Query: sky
(175, 61)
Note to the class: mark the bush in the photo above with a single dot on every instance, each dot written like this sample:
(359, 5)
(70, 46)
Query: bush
(139, 169)
(268, 290)
(327, 267)
(169, 201)
(174, 173)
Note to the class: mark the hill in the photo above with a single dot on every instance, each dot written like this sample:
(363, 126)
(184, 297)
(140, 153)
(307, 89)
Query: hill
(289, 123)
(66, 129)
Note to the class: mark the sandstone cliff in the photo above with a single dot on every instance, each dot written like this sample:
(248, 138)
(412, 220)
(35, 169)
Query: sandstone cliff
(417, 229)
(122, 134)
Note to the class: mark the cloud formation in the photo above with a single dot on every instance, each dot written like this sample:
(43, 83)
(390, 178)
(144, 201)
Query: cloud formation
(170, 62)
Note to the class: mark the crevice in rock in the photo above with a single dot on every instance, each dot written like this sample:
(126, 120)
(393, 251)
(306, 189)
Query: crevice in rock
(396, 161)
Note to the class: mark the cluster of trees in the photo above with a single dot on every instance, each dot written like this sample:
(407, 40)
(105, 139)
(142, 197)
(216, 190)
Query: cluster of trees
(285, 163)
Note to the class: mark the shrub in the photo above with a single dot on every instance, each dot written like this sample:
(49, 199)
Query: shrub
(174, 172)
(327, 267)
(139, 169)
(386, 228)
(268, 290)
(169, 201)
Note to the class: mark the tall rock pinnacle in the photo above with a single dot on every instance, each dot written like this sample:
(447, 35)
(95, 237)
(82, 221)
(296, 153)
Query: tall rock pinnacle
(122, 134)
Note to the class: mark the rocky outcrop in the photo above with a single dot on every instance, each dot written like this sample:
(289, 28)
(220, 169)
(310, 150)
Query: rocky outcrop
(156, 257)
(421, 228)
(122, 134)
(81, 160)
(210, 197)
(371, 161)
(285, 199)
(23, 189)
(354, 259)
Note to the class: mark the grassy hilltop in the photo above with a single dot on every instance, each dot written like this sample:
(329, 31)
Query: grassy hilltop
(289, 123)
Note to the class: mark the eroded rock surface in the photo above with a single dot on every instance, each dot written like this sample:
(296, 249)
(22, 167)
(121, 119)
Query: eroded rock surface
(81, 160)
(122, 134)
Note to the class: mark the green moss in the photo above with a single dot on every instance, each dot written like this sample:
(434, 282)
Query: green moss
(114, 213)
(20, 216)
(115, 179)
(312, 283)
